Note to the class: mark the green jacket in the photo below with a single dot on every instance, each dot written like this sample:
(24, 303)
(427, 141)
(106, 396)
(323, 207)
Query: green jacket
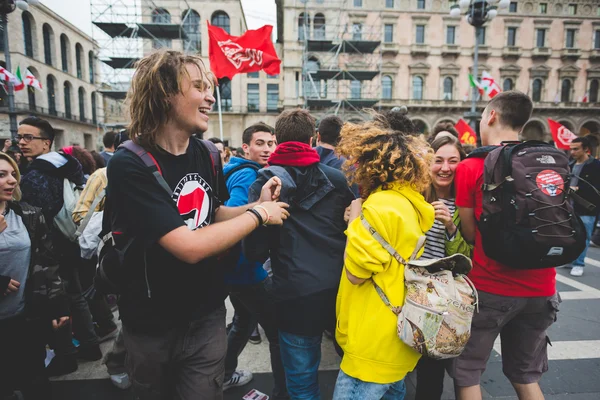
(458, 244)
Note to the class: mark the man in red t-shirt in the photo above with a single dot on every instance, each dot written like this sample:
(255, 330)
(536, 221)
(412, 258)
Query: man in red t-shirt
(518, 305)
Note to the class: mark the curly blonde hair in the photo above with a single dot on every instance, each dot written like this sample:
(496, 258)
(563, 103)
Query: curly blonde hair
(378, 156)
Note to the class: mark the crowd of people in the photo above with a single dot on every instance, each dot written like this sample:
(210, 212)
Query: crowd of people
(305, 227)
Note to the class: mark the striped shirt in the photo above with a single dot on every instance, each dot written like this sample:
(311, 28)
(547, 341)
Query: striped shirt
(435, 245)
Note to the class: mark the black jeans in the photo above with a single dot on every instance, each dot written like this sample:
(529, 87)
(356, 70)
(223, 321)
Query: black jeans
(430, 378)
(253, 304)
(23, 351)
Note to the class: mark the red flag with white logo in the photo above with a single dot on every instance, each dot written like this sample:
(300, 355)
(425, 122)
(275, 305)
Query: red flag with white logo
(251, 52)
(561, 135)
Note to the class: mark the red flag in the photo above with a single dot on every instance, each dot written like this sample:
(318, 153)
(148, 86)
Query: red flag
(251, 52)
(466, 135)
(561, 135)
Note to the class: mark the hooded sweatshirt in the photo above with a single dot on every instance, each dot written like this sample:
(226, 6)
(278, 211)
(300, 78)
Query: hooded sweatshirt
(42, 185)
(246, 272)
(366, 328)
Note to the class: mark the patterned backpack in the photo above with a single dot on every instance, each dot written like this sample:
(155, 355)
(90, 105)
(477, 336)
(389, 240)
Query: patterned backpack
(440, 301)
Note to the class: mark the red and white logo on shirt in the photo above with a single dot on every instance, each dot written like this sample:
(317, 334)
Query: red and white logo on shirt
(193, 196)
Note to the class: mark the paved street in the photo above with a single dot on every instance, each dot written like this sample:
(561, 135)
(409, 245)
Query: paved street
(574, 367)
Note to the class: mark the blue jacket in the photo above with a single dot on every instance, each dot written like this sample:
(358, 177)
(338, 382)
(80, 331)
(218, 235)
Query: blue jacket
(246, 272)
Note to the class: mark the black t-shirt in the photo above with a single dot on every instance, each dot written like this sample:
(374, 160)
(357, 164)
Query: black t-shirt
(162, 290)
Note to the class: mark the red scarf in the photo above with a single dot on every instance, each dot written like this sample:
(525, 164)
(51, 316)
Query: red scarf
(294, 154)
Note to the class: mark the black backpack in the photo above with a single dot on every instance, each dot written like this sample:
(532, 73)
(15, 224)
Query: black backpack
(110, 273)
(528, 220)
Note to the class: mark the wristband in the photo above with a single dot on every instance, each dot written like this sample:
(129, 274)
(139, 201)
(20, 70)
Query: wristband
(267, 211)
(257, 215)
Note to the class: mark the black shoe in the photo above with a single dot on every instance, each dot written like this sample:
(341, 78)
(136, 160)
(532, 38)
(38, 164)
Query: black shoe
(90, 353)
(62, 365)
(255, 338)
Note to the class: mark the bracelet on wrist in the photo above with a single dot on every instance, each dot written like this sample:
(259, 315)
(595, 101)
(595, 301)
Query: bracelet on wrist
(266, 220)
(257, 215)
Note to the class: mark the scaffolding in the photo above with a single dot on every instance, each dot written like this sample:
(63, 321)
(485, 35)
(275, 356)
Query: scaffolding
(127, 29)
(341, 60)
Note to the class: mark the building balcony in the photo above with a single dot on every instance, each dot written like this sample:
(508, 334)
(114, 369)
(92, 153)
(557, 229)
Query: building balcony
(570, 54)
(389, 48)
(419, 50)
(541, 52)
(511, 52)
(484, 51)
(595, 55)
(451, 50)
(25, 108)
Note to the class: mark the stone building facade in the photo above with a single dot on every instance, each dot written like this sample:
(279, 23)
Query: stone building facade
(63, 59)
(413, 53)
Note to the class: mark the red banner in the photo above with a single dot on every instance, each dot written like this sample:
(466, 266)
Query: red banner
(251, 52)
(561, 135)
(466, 135)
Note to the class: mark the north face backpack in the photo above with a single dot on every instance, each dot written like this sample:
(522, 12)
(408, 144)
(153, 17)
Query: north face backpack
(63, 221)
(436, 317)
(528, 220)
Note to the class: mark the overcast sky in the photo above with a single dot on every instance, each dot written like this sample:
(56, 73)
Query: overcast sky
(258, 12)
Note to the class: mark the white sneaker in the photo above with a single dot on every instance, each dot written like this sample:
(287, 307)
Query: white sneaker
(239, 378)
(121, 380)
(577, 271)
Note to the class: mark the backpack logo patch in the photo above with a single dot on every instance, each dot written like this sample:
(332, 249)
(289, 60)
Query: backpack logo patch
(550, 182)
(193, 196)
(546, 160)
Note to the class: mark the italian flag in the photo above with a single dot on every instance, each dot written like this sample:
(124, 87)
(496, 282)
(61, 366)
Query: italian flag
(31, 80)
(489, 85)
(19, 85)
(476, 84)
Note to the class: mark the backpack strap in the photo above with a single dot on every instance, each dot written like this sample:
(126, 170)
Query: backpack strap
(90, 212)
(215, 155)
(149, 161)
(240, 167)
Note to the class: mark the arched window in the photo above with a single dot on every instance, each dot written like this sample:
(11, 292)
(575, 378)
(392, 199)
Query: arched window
(319, 26)
(355, 90)
(191, 26)
(565, 91)
(67, 93)
(48, 36)
(448, 88)
(537, 90)
(312, 87)
(27, 35)
(81, 104)
(51, 95)
(31, 91)
(91, 66)
(386, 84)
(161, 16)
(303, 26)
(417, 82)
(64, 52)
(78, 55)
(221, 19)
(94, 120)
(507, 85)
(594, 91)
(225, 90)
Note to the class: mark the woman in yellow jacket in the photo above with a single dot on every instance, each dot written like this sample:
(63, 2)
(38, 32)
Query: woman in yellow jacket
(392, 170)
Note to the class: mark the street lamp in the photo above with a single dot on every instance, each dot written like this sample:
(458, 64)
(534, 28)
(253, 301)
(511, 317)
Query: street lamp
(477, 13)
(6, 7)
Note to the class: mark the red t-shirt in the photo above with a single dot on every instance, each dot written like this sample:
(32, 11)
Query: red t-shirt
(489, 275)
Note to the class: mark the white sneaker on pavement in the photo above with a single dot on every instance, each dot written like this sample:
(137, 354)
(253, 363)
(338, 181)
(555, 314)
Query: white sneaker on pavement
(238, 378)
(577, 271)
(121, 380)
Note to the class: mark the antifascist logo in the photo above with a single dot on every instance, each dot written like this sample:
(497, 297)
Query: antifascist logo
(550, 182)
(237, 55)
(193, 196)
(565, 135)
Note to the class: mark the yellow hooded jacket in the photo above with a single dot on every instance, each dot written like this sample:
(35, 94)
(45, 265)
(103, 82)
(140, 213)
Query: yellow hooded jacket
(366, 328)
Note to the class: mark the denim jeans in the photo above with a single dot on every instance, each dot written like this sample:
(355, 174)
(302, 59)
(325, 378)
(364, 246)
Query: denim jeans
(347, 387)
(588, 222)
(253, 304)
(301, 356)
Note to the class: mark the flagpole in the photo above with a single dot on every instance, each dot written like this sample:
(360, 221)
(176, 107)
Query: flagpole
(11, 94)
(220, 113)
